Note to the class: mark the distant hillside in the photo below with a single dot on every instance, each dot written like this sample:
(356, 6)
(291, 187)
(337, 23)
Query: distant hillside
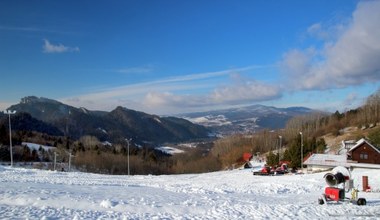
(246, 119)
(24, 121)
(111, 126)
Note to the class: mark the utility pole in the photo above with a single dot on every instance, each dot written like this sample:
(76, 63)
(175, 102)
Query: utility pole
(55, 160)
(301, 150)
(10, 133)
(128, 140)
(70, 156)
(279, 158)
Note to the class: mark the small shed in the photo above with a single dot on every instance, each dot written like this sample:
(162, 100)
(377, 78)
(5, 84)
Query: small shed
(364, 152)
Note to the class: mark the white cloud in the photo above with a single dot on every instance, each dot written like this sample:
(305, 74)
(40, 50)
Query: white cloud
(33, 29)
(245, 92)
(242, 92)
(352, 59)
(5, 105)
(351, 100)
(141, 69)
(24, 29)
(60, 48)
(167, 99)
(177, 94)
(296, 62)
(316, 30)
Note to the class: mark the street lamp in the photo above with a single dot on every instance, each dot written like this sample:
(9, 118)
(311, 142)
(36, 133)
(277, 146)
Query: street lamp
(128, 140)
(10, 132)
(281, 149)
(301, 150)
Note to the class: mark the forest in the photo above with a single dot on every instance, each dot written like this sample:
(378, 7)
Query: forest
(91, 155)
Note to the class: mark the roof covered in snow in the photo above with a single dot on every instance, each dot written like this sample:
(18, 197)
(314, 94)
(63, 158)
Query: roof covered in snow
(362, 141)
(326, 160)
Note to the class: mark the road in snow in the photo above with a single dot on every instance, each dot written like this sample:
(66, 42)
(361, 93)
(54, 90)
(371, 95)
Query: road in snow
(237, 194)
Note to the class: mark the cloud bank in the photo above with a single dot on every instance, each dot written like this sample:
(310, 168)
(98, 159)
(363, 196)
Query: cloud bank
(352, 59)
(179, 94)
(345, 54)
(237, 93)
(60, 48)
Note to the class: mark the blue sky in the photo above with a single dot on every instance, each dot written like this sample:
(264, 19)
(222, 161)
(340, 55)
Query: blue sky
(167, 57)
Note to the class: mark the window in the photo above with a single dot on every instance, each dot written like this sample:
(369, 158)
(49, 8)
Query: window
(364, 156)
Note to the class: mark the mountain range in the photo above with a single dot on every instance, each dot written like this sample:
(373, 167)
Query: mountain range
(247, 119)
(55, 118)
(114, 126)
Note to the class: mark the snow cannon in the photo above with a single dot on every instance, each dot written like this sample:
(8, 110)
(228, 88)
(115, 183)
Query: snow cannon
(335, 179)
(337, 187)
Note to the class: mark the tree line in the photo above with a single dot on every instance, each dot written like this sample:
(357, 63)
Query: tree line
(91, 155)
(313, 126)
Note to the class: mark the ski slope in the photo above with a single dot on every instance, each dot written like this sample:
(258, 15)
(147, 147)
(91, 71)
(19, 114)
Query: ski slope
(236, 194)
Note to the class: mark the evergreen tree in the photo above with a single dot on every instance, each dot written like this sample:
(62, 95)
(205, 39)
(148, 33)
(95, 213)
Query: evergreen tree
(25, 154)
(4, 135)
(35, 155)
(4, 153)
(374, 137)
(293, 153)
(272, 159)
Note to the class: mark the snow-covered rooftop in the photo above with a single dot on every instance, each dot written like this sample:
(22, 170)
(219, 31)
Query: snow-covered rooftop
(327, 159)
(362, 141)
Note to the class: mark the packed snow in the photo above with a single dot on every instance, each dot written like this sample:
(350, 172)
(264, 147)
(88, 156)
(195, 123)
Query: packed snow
(102, 130)
(233, 194)
(33, 146)
(169, 150)
(188, 145)
(210, 120)
(106, 143)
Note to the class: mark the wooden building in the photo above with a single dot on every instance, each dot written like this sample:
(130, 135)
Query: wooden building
(364, 152)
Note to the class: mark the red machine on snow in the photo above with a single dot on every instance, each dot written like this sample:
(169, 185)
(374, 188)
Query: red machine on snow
(270, 171)
(337, 189)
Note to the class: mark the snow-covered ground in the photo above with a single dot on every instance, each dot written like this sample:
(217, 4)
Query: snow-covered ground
(169, 150)
(210, 120)
(236, 194)
(33, 146)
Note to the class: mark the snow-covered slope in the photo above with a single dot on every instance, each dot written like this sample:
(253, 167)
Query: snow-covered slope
(33, 146)
(237, 194)
(246, 119)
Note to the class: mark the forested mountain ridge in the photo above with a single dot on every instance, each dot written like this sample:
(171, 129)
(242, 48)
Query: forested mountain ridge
(111, 126)
(249, 119)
